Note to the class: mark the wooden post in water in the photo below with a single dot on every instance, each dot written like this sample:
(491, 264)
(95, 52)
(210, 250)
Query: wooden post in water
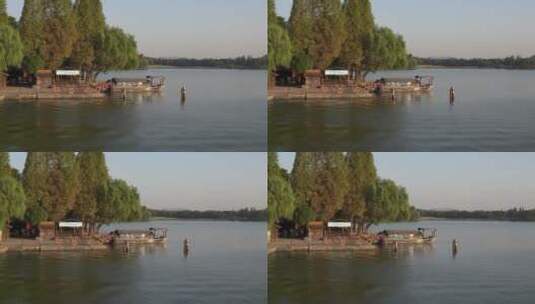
(185, 247)
(452, 94)
(454, 247)
(183, 94)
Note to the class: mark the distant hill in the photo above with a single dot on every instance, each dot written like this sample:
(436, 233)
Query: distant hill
(243, 62)
(512, 62)
(513, 215)
(242, 215)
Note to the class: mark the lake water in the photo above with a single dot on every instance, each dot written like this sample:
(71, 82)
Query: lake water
(494, 111)
(225, 111)
(494, 265)
(227, 264)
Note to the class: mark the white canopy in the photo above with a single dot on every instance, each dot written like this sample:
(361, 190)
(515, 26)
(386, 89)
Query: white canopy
(336, 73)
(68, 73)
(339, 224)
(71, 224)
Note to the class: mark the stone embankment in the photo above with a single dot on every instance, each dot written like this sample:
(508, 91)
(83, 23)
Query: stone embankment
(324, 92)
(289, 245)
(73, 244)
(68, 92)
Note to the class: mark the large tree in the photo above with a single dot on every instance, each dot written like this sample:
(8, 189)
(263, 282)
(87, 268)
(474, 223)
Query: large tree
(300, 30)
(328, 31)
(94, 177)
(31, 31)
(330, 184)
(118, 202)
(360, 25)
(91, 25)
(387, 51)
(51, 183)
(59, 32)
(281, 199)
(302, 180)
(5, 168)
(362, 176)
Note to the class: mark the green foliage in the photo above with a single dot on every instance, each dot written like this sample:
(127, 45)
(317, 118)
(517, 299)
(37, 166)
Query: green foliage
(302, 62)
(300, 26)
(335, 185)
(91, 25)
(59, 32)
(119, 51)
(5, 168)
(12, 199)
(11, 48)
(3, 12)
(279, 44)
(119, 202)
(51, 183)
(94, 174)
(328, 31)
(362, 177)
(31, 29)
(388, 51)
(281, 199)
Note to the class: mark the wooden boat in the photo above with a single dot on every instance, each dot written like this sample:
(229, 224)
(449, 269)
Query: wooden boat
(419, 236)
(150, 236)
(139, 85)
(404, 85)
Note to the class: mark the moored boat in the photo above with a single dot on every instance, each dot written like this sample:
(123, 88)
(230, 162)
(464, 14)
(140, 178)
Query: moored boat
(150, 236)
(419, 236)
(404, 85)
(147, 84)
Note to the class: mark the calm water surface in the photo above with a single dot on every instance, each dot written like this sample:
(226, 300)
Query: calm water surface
(494, 111)
(495, 265)
(226, 264)
(225, 111)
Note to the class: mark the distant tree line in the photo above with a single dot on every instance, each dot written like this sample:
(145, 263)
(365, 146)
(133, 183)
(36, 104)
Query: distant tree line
(242, 62)
(512, 62)
(55, 186)
(341, 33)
(246, 214)
(53, 34)
(514, 215)
(327, 186)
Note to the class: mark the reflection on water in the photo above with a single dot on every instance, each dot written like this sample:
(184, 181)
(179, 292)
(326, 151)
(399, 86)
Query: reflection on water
(226, 264)
(494, 110)
(493, 265)
(225, 111)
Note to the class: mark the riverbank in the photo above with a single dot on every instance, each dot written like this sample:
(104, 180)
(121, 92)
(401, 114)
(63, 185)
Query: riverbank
(296, 245)
(67, 92)
(324, 92)
(74, 244)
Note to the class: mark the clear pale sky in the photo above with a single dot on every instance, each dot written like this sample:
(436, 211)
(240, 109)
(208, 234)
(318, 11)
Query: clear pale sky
(457, 28)
(188, 28)
(198, 181)
(468, 181)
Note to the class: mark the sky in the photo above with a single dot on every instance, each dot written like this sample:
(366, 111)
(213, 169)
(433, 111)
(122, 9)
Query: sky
(188, 28)
(196, 181)
(456, 28)
(466, 181)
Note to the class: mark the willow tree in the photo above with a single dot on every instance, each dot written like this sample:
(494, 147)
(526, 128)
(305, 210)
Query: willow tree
(281, 199)
(5, 168)
(59, 32)
(91, 25)
(388, 51)
(11, 50)
(362, 176)
(118, 202)
(94, 177)
(328, 31)
(12, 199)
(31, 31)
(300, 30)
(388, 203)
(118, 52)
(359, 25)
(279, 44)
